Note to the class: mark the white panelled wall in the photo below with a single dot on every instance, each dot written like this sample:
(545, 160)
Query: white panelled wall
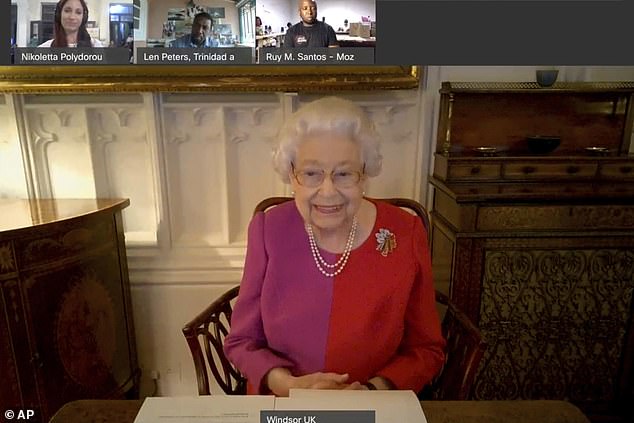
(194, 166)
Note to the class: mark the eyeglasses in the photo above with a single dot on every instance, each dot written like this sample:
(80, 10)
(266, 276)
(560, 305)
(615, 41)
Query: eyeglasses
(313, 178)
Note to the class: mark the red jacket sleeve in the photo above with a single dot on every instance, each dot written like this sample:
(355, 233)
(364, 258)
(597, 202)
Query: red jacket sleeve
(421, 353)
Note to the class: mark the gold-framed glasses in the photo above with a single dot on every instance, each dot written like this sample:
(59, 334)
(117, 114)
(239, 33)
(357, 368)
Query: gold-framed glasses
(314, 177)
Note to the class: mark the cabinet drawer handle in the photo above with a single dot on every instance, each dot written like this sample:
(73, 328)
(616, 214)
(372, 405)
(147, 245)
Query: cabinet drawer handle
(475, 170)
(573, 169)
(528, 169)
(625, 169)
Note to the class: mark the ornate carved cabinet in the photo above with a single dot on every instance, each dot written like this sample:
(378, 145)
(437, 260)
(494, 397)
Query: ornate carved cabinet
(66, 320)
(539, 249)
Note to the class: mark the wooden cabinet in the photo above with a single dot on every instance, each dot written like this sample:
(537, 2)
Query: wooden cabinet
(539, 249)
(66, 320)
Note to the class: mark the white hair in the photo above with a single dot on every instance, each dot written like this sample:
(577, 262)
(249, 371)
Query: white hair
(330, 115)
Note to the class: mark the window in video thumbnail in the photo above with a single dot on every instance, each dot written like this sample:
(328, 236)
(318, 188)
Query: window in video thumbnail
(74, 23)
(14, 24)
(200, 23)
(315, 23)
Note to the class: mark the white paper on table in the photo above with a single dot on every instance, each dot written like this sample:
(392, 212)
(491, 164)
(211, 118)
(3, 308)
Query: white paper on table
(390, 406)
(205, 409)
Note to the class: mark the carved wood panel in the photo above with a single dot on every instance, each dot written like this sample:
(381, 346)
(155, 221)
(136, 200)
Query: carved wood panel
(65, 314)
(80, 340)
(556, 321)
(555, 217)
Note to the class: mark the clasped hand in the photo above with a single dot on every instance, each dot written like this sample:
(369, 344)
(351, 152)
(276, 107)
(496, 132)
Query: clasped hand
(280, 381)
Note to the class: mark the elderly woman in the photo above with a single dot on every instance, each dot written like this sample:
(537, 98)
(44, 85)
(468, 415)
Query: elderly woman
(70, 26)
(337, 289)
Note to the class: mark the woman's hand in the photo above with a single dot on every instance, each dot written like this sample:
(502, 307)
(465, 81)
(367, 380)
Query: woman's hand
(280, 381)
(332, 384)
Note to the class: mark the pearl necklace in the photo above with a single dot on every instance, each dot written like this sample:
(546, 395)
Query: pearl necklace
(319, 260)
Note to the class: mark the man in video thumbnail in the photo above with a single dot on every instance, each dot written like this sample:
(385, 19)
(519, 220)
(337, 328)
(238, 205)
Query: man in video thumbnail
(310, 32)
(200, 35)
(70, 26)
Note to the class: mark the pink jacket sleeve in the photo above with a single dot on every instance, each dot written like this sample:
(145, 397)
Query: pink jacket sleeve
(246, 345)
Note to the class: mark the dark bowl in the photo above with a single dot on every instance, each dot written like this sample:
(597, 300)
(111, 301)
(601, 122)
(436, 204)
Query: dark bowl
(541, 144)
(546, 78)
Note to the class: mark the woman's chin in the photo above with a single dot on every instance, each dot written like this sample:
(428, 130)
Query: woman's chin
(328, 220)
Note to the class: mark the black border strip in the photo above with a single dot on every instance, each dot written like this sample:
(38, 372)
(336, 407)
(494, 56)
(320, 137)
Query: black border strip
(505, 32)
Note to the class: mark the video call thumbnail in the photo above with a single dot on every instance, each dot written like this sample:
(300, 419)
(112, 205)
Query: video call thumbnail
(315, 26)
(38, 26)
(190, 31)
(200, 23)
(73, 23)
(192, 27)
(315, 23)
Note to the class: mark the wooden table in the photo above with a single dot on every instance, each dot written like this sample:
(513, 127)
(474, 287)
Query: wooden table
(113, 411)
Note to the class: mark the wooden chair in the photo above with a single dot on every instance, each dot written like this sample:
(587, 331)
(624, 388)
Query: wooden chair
(464, 350)
(205, 335)
(206, 332)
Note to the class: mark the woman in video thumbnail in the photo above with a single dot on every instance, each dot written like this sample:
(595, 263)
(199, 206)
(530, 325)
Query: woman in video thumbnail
(337, 290)
(70, 26)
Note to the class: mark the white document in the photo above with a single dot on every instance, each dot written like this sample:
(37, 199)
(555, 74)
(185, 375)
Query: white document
(390, 406)
(205, 409)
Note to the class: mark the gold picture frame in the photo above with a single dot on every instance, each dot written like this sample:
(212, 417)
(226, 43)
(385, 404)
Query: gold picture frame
(169, 78)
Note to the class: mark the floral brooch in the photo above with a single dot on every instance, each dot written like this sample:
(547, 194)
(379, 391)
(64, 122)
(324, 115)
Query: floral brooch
(386, 241)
